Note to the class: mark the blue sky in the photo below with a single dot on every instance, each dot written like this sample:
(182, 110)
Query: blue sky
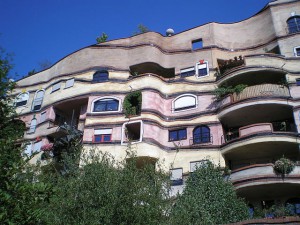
(36, 31)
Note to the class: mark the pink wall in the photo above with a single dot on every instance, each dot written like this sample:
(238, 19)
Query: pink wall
(255, 128)
(152, 100)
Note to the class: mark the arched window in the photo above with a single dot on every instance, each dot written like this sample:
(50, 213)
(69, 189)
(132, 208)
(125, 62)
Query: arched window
(22, 99)
(32, 126)
(294, 205)
(183, 102)
(38, 100)
(100, 76)
(293, 24)
(201, 134)
(105, 104)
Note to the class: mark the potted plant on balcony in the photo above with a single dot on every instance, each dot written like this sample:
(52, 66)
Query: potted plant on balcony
(284, 166)
(132, 104)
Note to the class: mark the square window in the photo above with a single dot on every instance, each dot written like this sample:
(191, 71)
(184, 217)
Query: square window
(102, 135)
(176, 176)
(176, 135)
(297, 51)
(187, 72)
(69, 83)
(197, 44)
(132, 132)
(43, 117)
(202, 68)
(197, 164)
(37, 146)
(56, 87)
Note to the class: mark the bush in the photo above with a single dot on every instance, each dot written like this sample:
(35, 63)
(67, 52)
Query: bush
(208, 199)
(284, 166)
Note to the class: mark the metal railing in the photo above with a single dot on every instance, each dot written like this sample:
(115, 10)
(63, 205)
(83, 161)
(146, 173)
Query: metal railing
(201, 140)
(262, 90)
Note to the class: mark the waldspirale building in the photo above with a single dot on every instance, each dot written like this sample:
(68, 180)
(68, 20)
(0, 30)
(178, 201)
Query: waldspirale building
(159, 92)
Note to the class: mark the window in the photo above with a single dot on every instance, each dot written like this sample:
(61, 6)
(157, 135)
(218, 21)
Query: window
(22, 99)
(176, 176)
(201, 134)
(100, 76)
(28, 149)
(293, 24)
(38, 100)
(176, 135)
(187, 72)
(132, 131)
(32, 126)
(105, 104)
(197, 44)
(102, 135)
(184, 102)
(202, 68)
(196, 164)
(43, 117)
(297, 51)
(37, 146)
(298, 82)
(56, 87)
(69, 83)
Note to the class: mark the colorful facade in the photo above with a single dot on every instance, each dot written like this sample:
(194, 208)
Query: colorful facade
(159, 92)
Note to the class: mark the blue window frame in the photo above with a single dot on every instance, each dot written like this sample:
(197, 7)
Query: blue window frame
(176, 135)
(293, 24)
(98, 138)
(100, 76)
(201, 134)
(107, 104)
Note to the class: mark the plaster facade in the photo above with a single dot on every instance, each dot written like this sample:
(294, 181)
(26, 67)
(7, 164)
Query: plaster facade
(245, 131)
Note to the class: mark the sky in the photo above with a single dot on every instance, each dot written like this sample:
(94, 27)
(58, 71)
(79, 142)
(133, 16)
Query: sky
(44, 31)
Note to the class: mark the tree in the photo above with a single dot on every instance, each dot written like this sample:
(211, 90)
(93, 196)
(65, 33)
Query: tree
(16, 186)
(102, 38)
(208, 199)
(141, 29)
(106, 191)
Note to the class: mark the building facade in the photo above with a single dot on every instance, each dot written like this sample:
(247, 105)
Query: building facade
(225, 92)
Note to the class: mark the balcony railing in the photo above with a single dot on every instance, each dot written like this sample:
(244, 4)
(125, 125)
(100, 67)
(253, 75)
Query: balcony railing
(258, 128)
(262, 90)
(201, 140)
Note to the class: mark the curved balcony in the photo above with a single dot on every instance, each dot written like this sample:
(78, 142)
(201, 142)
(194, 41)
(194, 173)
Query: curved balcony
(257, 91)
(255, 69)
(260, 182)
(260, 143)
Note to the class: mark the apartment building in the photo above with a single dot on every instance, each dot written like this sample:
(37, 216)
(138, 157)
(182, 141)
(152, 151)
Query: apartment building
(159, 92)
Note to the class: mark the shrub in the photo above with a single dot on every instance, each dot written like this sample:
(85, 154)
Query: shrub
(284, 166)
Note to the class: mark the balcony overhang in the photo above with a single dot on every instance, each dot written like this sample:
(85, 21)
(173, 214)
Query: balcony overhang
(258, 110)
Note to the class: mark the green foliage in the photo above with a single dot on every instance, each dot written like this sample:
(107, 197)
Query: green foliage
(132, 103)
(141, 29)
(284, 166)
(221, 92)
(19, 196)
(208, 199)
(102, 38)
(104, 191)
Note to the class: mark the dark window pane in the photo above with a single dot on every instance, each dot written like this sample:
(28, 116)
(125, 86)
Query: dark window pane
(100, 76)
(182, 134)
(106, 137)
(21, 103)
(201, 135)
(173, 136)
(106, 105)
(187, 74)
(294, 24)
(202, 72)
(97, 138)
